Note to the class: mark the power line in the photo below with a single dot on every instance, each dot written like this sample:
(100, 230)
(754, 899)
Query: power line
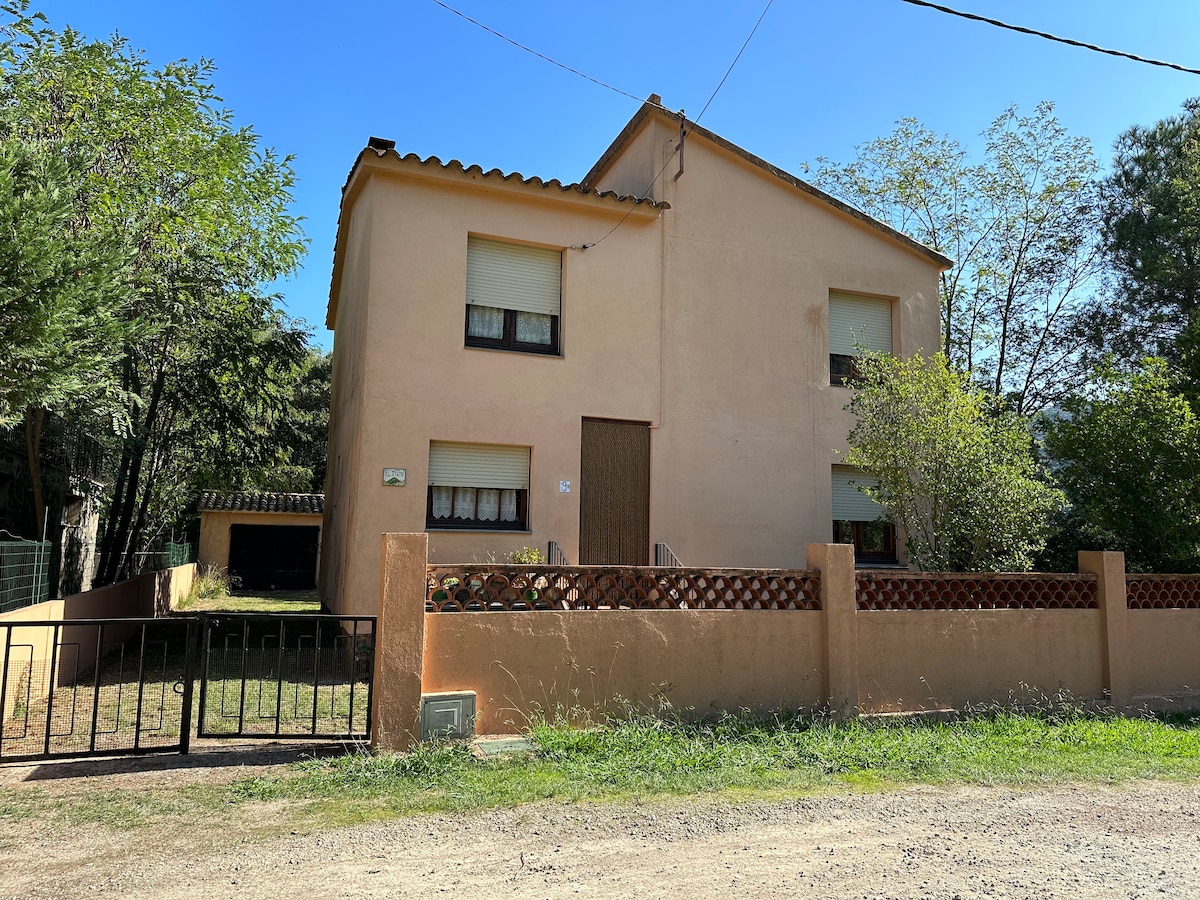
(683, 120)
(1050, 37)
(548, 59)
(745, 44)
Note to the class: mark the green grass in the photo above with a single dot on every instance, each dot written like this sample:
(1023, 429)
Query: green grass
(648, 758)
(272, 602)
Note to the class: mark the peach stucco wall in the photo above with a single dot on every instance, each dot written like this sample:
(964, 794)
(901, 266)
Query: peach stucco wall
(1171, 639)
(840, 658)
(934, 659)
(214, 530)
(707, 320)
(701, 662)
(344, 477)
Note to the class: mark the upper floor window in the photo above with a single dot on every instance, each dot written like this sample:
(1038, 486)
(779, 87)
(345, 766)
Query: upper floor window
(513, 296)
(856, 322)
(479, 486)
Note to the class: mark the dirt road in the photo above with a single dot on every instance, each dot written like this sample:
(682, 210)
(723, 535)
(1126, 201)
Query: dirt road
(1140, 840)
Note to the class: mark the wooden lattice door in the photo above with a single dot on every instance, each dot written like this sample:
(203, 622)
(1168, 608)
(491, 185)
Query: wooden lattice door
(614, 493)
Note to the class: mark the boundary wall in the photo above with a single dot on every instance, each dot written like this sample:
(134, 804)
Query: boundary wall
(542, 640)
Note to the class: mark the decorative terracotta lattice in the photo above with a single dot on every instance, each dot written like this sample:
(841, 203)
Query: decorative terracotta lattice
(504, 588)
(894, 590)
(1162, 591)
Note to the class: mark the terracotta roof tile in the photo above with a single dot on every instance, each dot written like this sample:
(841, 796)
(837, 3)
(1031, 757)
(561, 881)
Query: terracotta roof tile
(532, 180)
(255, 501)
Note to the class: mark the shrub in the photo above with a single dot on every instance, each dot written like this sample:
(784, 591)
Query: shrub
(527, 556)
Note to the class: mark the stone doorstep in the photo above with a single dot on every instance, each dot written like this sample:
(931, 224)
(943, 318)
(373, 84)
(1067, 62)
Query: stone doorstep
(498, 744)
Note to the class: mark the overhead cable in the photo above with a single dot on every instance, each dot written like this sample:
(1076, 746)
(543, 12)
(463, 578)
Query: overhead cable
(548, 59)
(1051, 37)
(683, 121)
(745, 44)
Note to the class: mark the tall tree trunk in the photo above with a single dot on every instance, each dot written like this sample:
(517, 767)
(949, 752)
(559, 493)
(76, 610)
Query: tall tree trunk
(109, 554)
(123, 533)
(108, 538)
(34, 417)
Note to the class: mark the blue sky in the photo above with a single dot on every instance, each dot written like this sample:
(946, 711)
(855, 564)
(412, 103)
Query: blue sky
(315, 80)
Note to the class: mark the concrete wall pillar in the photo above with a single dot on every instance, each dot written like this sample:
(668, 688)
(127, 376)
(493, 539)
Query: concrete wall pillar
(839, 606)
(1109, 569)
(399, 642)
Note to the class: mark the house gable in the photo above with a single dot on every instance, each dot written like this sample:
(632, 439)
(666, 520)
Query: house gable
(627, 153)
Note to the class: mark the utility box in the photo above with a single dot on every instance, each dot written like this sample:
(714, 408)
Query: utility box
(450, 714)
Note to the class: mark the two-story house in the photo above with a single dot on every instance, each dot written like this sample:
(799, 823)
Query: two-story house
(654, 354)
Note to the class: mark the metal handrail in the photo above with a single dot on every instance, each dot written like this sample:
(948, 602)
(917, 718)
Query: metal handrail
(664, 556)
(555, 555)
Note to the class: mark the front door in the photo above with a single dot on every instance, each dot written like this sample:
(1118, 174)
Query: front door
(614, 493)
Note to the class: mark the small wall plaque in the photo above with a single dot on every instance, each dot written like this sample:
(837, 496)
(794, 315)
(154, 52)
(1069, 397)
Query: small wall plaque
(564, 487)
(394, 477)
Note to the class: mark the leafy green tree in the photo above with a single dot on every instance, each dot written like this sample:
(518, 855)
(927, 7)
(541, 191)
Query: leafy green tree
(293, 445)
(205, 212)
(62, 295)
(64, 301)
(1129, 461)
(301, 436)
(1018, 307)
(956, 471)
(1152, 232)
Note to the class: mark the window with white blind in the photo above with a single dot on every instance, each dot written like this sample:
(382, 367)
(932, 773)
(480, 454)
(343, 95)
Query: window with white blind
(858, 520)
(856, 322)
(478, 486)
(513, 296)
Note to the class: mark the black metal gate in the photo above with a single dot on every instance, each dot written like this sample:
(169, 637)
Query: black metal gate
(102, 687)
(95, 687)
(295, 676)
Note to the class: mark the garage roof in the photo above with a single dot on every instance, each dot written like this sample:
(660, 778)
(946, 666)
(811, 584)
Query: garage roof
(261, 501)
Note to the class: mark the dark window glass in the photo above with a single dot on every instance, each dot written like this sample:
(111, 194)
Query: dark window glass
(843, 369)
(482, 509)
(874, 542)
(511, 329)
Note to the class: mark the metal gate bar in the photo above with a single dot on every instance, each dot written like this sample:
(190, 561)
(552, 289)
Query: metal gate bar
(51, 709)
(250, 662)
(260, 676)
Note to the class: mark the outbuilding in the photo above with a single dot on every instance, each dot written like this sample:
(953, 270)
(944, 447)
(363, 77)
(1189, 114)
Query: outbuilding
(264, 541)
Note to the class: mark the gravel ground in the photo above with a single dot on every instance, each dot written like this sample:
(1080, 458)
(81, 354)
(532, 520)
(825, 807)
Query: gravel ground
(1136, 840)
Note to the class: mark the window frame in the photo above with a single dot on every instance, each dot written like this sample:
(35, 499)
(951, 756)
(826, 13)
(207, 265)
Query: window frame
(849, 376)
(844, 378)
(521, 523)
(509, 342)
(862, 557)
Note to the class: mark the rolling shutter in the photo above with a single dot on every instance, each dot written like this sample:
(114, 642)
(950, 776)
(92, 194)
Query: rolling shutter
(849, 503)
(478, 465)
(859, 320)
(513, 276)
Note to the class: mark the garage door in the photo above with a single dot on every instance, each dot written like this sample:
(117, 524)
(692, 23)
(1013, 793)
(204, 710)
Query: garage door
(273, 557)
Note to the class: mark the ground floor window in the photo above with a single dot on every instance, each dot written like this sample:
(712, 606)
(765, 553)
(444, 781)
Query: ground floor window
(874, 542)
(478, 486)
(859, 520)
(470, 507)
